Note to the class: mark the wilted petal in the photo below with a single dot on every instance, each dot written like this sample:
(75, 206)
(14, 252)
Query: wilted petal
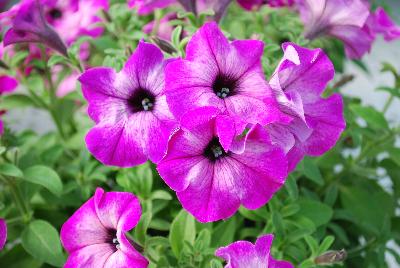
(29, 25)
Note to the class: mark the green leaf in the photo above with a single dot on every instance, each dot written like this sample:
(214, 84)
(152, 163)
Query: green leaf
(16, 101)
(291, 187)
(56, 59)
(182, 229)
(312, 244)
(45, 177)
(141, 228)
(224, 233)
(373, 118)
(161, 195)
(311, 171)
(319, 213)
(326, 244)
(10, 170)
(370, 209)
(41, 240)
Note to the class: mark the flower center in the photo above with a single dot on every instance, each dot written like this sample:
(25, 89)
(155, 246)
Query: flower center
(141, 100)
(224, 86)
(55, 13)
(214, 150)
(112, 239)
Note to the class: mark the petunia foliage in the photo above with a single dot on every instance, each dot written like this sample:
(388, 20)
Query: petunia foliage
(197, 134)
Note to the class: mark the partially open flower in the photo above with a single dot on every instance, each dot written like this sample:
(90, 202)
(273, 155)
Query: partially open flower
(298, 83)
(133, 121)
(213, 173)
(29, 25)
(95, 235)
(379, 22)
(3, 233)
(243, 254)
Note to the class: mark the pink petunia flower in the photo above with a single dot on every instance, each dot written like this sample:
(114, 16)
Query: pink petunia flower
(380, 23)
(29, 25)
(95, 235)
(221, 74)
(148, 6)
(133, 121)
(298, 83)
(3, 231)
(243, 254)
(213, 173)
(254, 4)
(348, 20)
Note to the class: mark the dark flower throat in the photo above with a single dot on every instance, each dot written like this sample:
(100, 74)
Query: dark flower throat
(214, 150)
(224, 86)
(141, 100)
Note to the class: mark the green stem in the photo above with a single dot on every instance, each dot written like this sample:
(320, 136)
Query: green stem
(52, 93)
(18, 199)
(387, 104)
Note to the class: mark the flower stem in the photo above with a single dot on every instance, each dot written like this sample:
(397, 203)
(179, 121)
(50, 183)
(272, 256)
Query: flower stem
(52, 93)
(387, 104)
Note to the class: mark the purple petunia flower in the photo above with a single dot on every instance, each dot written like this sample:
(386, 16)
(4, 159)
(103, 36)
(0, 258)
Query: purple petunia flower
(29, 25)
(213, 173)
(95, 235)
(243, 254)
(348, 20)
(148, 6)
(225, 75)
(3, 233)
(298, 84)
(380, 23)
(254, 4)
(133, 121)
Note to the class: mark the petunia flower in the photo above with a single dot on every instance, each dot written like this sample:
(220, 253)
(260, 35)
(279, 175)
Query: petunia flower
(75, 18)
(298, 83)
(254, 4)
(133, 121)
(95, 235)
(145, 7)
(379, 22)
(213, 173)
(243, 254)
(3, 232)
(221, 74)
(29, 25)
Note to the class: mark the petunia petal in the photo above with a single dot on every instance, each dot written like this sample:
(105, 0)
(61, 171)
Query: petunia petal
(91, 256)
(83, 229)
(7, 84)
(3, 233)
(116, 144)
(117, 210)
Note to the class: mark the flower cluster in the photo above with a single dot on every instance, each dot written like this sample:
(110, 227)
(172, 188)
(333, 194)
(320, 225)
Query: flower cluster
(221, 135)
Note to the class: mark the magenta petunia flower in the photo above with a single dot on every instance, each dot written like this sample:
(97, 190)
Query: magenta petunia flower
(317, 123)
(221, 74)
(95, 235)
(145, 7)
(380, 23)
(343, 19)
(213, 173)
(29, 25)
(243, 254)
(254, 4)
(133, 121)
(3, 232)
(7, 84)
(75, 18)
